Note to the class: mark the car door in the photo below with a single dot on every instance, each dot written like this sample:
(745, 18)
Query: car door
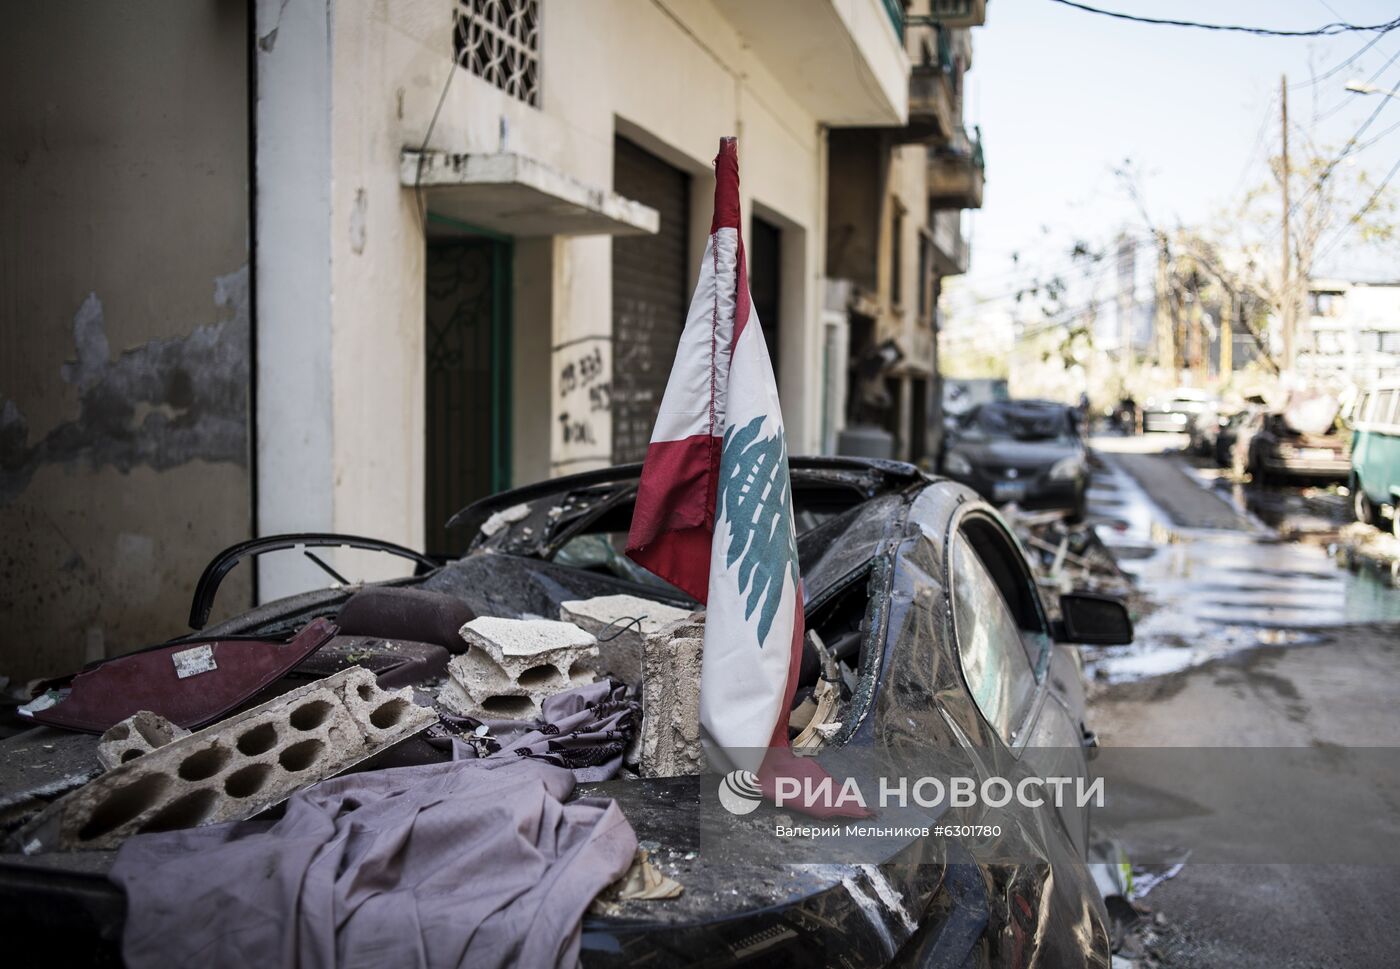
(1028, 689)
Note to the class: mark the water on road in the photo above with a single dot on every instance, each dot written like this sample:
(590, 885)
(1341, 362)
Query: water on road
(1219, 579)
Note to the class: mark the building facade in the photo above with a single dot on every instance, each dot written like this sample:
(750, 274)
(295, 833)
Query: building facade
(895, 230)
(1352, 333)
(346, 265)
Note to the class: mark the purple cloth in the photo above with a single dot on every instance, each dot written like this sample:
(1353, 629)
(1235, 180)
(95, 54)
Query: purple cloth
(585, 729)
(473, 862)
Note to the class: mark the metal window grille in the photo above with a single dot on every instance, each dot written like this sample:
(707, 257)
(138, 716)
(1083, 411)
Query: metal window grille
(499, 41)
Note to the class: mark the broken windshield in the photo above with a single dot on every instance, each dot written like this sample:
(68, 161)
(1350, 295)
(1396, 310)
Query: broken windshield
(1018, 421)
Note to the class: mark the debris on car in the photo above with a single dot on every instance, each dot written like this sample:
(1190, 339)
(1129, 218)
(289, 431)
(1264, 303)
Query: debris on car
(234, 769)
(138, 734)
(553, 603)
(512, 665)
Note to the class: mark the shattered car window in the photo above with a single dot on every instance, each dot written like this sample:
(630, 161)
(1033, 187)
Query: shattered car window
(994, 661)
(604, 552)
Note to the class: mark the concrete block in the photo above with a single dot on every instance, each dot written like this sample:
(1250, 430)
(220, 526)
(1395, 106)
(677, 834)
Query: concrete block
(138, 734)
(670, 735)
(512, 665)
(235, 768)
(621, 653)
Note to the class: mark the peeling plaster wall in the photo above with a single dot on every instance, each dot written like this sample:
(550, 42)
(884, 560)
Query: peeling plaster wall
(124, 321)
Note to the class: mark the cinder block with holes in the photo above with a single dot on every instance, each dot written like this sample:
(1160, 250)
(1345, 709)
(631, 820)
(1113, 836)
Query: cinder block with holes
(235, 768)
(512, 665)
(137, 735)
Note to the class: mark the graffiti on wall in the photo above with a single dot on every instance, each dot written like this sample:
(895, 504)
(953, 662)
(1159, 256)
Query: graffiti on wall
(582, 413)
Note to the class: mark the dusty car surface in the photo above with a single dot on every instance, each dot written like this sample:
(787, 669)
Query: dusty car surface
(925, 601)
(1026, 451)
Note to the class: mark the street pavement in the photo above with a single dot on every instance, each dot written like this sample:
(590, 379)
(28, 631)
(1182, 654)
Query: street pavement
(1251, 638)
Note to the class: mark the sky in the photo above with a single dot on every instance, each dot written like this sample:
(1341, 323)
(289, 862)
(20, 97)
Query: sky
(1063, 97)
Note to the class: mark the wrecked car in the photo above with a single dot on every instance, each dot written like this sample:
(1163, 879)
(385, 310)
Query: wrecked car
(1023, 451)
(1304, 439)
(927, 631)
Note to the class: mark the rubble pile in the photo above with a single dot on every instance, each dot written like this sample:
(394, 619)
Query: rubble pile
(1066, 556)
(1363, 546)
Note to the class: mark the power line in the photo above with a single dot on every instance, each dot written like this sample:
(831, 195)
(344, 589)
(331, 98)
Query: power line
(1326, 30)
(1350, 100)
(1336, 68)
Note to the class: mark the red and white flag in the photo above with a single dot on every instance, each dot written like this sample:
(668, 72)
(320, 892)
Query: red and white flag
(714, 515)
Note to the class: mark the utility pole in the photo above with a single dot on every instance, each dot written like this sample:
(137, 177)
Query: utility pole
(1166, 319)
(1289, 303)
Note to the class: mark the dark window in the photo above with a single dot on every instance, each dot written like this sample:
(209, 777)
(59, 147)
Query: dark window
(897, 256)
(765, 281)
(925, 275)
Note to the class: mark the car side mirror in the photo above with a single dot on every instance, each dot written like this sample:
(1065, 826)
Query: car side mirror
(1093, 620)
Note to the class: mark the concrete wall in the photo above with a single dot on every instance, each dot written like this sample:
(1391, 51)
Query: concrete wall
(673, 76)
(124, 321)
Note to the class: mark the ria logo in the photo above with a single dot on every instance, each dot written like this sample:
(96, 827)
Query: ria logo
(739, 792)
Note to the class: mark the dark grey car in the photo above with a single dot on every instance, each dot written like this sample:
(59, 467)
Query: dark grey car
(1023, 451)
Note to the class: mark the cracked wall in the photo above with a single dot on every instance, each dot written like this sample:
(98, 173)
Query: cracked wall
(124, 322)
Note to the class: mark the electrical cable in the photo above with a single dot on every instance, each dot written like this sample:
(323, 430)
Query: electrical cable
(1326, 30)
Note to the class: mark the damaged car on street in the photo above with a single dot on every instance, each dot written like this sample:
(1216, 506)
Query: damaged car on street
(926, 630)
(1025, 451)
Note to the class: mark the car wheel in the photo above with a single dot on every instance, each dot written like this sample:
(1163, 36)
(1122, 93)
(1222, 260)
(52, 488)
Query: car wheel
(1362, 508)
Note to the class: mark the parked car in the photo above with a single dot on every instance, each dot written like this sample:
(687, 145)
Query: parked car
(1233, 437)
(1375, 455)
(1173, 413)
(1303, 440)
(919, 649)
(1026, 451)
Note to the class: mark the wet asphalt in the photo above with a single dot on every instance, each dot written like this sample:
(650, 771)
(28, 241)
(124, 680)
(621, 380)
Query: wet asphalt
(1250, 635)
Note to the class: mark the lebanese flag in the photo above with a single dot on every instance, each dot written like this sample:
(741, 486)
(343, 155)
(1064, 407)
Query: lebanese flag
(714, 511)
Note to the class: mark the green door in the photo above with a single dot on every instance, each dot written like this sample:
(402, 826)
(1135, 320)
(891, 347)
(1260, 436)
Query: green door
(468, 380)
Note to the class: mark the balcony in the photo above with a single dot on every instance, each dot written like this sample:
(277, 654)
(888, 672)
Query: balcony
(956, 172)
(841, 60)
(932, 108)
(954, 13)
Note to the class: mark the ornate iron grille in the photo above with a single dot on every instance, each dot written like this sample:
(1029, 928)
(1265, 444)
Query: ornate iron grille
(499, 41)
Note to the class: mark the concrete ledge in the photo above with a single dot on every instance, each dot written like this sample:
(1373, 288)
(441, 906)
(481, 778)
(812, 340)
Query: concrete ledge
(518, 196)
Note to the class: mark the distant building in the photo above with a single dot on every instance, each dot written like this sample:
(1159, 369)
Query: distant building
(1351, 333)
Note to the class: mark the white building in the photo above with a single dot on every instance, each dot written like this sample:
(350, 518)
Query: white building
(1352, 333)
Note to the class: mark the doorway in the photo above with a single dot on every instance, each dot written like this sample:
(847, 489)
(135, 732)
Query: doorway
(467, 379)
